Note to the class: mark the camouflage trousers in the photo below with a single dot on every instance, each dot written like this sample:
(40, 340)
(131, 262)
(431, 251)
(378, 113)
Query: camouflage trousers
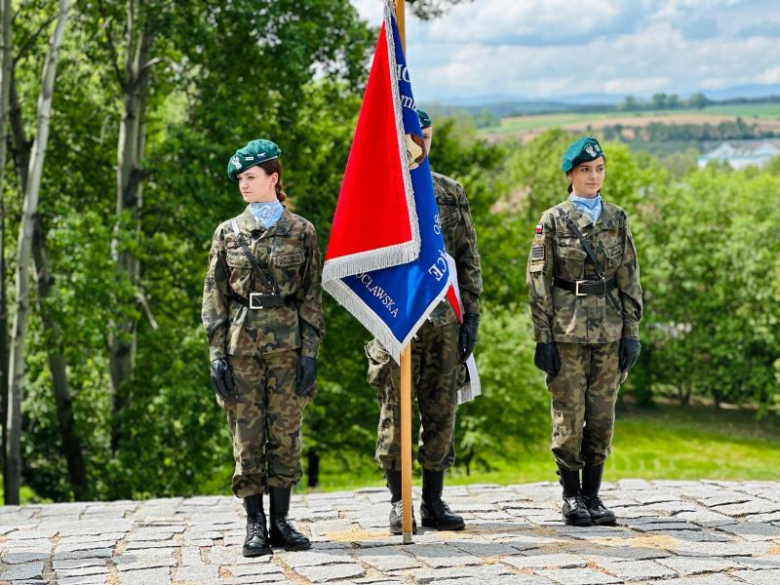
(583, 403)
(265, 422)
(436, 377)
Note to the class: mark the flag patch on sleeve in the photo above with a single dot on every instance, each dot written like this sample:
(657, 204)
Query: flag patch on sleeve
(537, 252)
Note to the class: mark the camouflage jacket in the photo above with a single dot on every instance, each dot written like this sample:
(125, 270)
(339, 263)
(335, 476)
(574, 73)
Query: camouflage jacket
(290, 253)
(560, 315)
(460, 241)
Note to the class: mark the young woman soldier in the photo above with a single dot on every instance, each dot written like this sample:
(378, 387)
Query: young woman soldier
(586, 304)
(262, 310)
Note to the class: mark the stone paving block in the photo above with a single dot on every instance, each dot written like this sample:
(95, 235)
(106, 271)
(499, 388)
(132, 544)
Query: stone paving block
(466, 573)
(387, 559)
(674, 508)
(97, 537)
(313, 558)
(705, 580)
(32, 570)
(36, 534)
(327, 573)
(624, 553)
(133, 562)
(24, 556)
(720, 549)
(78, 563)
(551, 561)
(159, 576)
(686, 566)
(150, 544)
(721, 498)
(85, 546)
(154, 534)
(758, 563)
(264, 566)
(662, 525)
(771, 577)
(638, 570)
(255, 579)
(103, 553)
(85, 580)
(706, 518)
(747, 508)
(579, 577)
(200, 574)
(484, 550)
(81, 571)
(774, 517)
(506, 580)
(441, 555)
(524, 542)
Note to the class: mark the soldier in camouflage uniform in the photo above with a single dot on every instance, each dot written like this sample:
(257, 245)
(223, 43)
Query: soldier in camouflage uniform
(586, 304)
(263, 317)
(439, 351)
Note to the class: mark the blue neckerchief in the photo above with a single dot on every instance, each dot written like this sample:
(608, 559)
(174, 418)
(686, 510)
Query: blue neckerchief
(589, 206)
(267, 213)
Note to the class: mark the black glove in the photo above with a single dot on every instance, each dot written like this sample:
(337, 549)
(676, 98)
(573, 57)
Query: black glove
(305, 376)
(222, 379)
(629, 352)
(468, 335)
(546, 358)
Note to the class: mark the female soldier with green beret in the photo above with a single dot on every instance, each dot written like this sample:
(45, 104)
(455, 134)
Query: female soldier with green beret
(262, 310)
(586, 304)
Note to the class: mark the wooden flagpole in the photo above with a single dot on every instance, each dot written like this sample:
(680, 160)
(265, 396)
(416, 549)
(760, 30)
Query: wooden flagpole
(406, 379)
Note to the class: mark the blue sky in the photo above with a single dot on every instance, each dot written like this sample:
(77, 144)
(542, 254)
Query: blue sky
(548, 48)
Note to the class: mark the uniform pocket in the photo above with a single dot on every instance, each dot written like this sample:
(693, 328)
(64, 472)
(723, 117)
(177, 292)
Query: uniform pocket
(379, 374)
(614, 256)
(236, 258)
(289, 260)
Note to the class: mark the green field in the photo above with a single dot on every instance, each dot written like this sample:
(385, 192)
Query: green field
(769, 111)
(664, 442)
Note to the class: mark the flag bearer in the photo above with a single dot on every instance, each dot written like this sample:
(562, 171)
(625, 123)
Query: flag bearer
(586, 304)
(439, 351)
(263, 316)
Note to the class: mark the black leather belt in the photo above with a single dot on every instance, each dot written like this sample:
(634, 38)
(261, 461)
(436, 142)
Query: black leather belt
(583, 288)
(260, 300)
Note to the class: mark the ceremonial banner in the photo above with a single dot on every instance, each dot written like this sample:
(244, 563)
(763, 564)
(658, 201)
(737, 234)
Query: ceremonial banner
(385, 261)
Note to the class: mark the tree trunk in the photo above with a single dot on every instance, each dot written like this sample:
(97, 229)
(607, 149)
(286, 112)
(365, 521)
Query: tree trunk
(313, 468)
(122, 342)
(71, 444)
(6, 58)
(24, 248)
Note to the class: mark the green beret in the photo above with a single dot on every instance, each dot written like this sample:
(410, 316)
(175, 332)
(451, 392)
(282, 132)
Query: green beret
(583, 150)
(425, 119)
(254, 153)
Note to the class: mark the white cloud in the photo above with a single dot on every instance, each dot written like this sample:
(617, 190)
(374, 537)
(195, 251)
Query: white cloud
(548, 48)
(768, 76)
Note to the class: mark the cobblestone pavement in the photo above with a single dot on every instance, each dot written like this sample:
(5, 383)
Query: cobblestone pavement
(675, 532)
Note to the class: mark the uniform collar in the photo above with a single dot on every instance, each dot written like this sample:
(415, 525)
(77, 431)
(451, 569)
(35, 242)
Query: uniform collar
(606, 219)
(248, 223)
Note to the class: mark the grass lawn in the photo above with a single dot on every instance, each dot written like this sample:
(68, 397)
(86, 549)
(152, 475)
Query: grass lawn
(663, 442)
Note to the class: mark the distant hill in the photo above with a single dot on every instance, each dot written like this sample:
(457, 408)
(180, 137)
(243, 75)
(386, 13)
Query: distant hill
(504, 106)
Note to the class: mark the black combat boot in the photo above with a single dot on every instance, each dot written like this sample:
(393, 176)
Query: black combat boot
(433, 511)
(574, 510)
(282, 532)
(256, 543)
(396, 501)
(591, 483)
